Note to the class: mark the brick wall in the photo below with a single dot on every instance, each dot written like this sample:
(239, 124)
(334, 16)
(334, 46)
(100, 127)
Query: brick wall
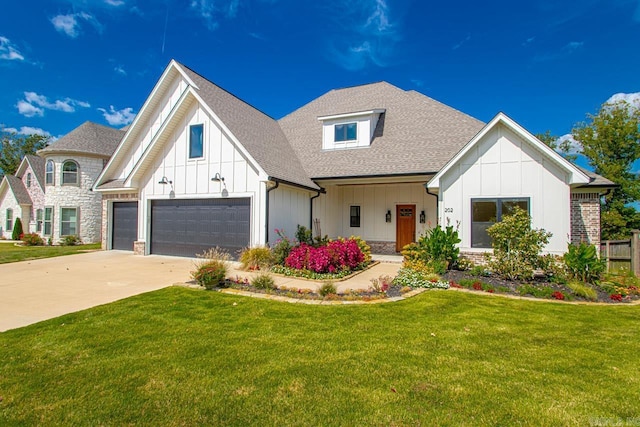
(585, 218)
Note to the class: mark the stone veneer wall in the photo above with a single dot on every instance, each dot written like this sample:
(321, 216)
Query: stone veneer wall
(382, 248)
(9, 202)
(585, 218)
(76, 196)
(37, 198)
(106, 198)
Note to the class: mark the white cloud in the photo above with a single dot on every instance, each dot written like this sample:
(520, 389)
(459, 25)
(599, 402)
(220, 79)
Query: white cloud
(29, 110)
(118, 117)
(364, 35)
(34, 104)
(120, 70)
(27, 130)
(213, 11)
(115, 3)
(463, 41)
(567, 140)
(9, 51)
(633, 99)
(572, 46)
(70, 24)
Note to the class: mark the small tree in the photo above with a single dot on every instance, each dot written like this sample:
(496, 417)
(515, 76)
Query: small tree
(17, 230)
(516, 246)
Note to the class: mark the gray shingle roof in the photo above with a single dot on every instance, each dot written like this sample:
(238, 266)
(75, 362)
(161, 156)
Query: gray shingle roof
(18, 189)
(597, 180)
(88, 138)
(418, 134)
(258, 133)
(37, 165)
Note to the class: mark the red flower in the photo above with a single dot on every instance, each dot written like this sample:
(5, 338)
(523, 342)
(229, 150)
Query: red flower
(477, 286)
(558, 295)
(616, 297)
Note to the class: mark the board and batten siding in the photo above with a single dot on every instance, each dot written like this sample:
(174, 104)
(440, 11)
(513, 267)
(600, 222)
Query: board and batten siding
(333, 209)
(288, 208)
(503, 165)
(191, 178)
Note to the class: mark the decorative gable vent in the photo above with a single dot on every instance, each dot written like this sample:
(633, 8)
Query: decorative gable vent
(349, 130)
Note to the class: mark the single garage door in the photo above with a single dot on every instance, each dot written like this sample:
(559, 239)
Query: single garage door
(125, 225)
(190, 227)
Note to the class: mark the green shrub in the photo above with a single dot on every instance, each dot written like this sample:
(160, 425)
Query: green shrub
(257, 258)
(583, 263)
(263, 281)
(555, 268)
(516, 246)
(364, 247)
(70, 240)
(436, 250)
(17, 230)
(582, 290)
(32, 239)
(211, 270)
(327, 288)
(536, 291)
(304, 235)
(281, 248)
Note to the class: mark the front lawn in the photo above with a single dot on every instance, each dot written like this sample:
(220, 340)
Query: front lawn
(11, 253)
(188, 357)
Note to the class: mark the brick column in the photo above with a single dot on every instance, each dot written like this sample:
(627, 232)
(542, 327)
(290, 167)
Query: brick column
(585, 218)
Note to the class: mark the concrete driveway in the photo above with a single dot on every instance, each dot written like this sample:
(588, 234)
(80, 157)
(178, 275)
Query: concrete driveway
(32, 291)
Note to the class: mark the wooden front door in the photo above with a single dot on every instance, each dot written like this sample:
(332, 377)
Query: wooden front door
(405, 225)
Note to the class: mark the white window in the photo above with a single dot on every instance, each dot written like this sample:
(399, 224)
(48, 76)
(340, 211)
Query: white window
(68, 221)
(48, 221)
(9, 222)
(345, 132)
(28, 180)
(38, 220)
(70, 173)
(486, 212)
(49, 173)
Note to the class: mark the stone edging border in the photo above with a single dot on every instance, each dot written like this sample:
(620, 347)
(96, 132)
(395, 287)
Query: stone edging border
(318, 301)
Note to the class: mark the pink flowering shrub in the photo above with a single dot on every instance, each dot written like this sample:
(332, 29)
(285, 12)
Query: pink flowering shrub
(341, 254)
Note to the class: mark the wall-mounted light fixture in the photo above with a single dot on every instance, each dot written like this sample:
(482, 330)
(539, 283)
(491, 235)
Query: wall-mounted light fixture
(217, 177)
(423, 218)
(165, 181)
(387, 216)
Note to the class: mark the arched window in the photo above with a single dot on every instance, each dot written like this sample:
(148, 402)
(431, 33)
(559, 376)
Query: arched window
(70, 172)
(9, 220)
(48, 174)
(28, 180)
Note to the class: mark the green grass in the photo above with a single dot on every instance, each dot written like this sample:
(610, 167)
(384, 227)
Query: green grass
(188, 357)
(11, 253)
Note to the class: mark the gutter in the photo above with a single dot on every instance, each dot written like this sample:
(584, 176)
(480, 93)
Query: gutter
(266, 222)
(437, 202)
(318, 192)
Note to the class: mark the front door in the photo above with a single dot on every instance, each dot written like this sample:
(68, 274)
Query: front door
(405, 225)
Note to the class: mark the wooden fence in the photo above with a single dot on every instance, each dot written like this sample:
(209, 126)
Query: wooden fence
(622, 256)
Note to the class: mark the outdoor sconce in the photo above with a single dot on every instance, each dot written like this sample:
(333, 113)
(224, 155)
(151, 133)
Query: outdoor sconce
(423, 218)
(387, 217)
(165, 181)
(217, 177)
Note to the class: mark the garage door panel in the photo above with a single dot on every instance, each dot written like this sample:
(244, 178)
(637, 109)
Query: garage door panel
(190, 227)
(124, 225)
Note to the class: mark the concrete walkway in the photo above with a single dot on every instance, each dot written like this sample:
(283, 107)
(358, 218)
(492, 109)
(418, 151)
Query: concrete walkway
(37, 290)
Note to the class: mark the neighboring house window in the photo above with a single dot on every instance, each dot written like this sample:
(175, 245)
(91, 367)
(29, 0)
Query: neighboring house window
(28, 180)
(195, 141)
(38, 220)
(486, 212)
(68, 221)
(48, 221)
(346, 132)
(70, 172)
(9, 222)
(48, 174)
(354, 215)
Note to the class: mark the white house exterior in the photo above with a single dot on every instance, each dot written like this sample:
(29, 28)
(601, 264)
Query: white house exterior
(200, 168)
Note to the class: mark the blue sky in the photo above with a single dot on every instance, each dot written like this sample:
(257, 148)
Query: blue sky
(545, 63)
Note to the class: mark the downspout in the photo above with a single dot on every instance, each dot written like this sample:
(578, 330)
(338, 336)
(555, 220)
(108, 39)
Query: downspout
(437, 201)
(311, 208)
(266, 222)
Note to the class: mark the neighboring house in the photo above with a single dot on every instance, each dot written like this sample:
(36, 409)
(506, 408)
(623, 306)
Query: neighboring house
(22, 196)
(199, 167)
(52, 193)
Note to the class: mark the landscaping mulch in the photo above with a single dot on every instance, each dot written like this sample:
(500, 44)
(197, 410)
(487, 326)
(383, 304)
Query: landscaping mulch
(512, 287)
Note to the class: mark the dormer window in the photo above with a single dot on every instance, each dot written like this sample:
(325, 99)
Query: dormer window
(346, 132)
(349, 130)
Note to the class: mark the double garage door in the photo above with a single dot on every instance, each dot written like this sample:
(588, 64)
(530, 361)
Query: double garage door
(190, 227)
(186, 227)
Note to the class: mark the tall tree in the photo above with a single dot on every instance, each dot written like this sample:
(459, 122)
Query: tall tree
(561, 145)
(15, 147)
(611, 143)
